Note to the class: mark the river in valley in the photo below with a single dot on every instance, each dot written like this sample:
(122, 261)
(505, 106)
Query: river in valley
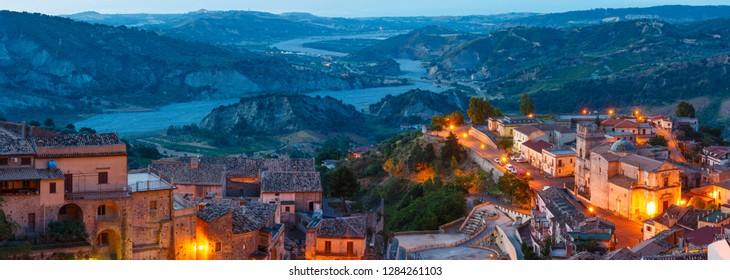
(134, 123)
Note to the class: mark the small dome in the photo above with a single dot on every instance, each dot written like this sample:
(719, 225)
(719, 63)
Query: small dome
(623, 146)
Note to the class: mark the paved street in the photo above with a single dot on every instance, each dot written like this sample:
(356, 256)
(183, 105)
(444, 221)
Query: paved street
(628, 232)
(674, 153)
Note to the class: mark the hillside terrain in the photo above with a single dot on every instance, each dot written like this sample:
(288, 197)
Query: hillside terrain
(56, 66)
(420, 103)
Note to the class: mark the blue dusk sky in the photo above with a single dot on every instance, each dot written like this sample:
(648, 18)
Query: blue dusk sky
(335, 8)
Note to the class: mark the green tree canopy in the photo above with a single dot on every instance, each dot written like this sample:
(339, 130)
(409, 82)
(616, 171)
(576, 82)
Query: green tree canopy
(658, 140)
(479, 110)
(343, 182)
(527, 106)
(685, 109)
(49, 123)
(451, 149)
(456, 118)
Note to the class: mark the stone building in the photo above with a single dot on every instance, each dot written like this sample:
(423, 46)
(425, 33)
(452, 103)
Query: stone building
(68, 177)
(227, 229)
(337, 239)
(622, 178)
(293, 191)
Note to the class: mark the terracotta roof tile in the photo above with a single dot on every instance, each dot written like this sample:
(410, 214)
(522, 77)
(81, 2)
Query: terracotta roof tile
(290, 182)
(29, 173)
(12, 146)
(537, 146)
(348, 227)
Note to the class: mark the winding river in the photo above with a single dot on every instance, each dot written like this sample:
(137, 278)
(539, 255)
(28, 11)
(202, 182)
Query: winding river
(134, 123)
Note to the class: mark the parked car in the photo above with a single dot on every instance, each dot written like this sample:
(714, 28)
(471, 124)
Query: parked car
(496, 160)
(511, 168)
(520, 160)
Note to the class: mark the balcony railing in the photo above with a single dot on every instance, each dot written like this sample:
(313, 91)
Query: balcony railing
(97, 195)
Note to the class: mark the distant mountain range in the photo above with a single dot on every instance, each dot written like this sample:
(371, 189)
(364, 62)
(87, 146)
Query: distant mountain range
(256, 28)
(669, 13)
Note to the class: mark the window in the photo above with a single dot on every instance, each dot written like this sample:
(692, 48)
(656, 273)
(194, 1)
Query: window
(52, 188)
(101, 210)
(3, 161)
(26, 184)
(25, 161)
(153, 205)
(350, 248)
(666, 182)
(276, 194)
(648, 228)
(328, 247)
(103, 178)
(218, 246)
(286, 209)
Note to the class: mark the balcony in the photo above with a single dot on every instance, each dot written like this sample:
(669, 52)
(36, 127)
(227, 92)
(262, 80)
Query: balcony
(97, 195)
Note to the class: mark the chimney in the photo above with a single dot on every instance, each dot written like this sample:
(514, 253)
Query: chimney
(194, 162)
(24, 128)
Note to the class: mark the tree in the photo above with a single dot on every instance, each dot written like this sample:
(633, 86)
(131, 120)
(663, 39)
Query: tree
(86, 130)
(49, 123)
(527, 107)
(2, 118)
(456, 118)
(451, 149)
(479, 110)
(505, 143)
(71, 126)
(7, 227)
(34, 123)
(429, 153)
(343, 182)
(685, 109)
(437, 123)
(658, 141)
(517, 189)
(67, 231)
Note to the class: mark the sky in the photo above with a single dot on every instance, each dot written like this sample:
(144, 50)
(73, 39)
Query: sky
(335, 8)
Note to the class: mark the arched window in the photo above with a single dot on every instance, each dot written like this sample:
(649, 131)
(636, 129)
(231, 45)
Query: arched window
(101, 210)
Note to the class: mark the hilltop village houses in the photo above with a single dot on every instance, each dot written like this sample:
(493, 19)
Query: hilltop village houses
(192, 208)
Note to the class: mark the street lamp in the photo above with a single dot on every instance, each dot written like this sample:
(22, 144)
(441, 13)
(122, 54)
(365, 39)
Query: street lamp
(585, 111)
(530, 115)
(610, 112)
(482, 146)
(451, 127)
(504, 159)
(464, 134)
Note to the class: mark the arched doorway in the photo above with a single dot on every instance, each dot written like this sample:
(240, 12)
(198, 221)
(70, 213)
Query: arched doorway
(108, 245)
(107, 211)
(70, 212)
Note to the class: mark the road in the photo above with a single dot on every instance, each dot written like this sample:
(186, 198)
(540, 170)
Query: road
(674, 153)
(628, 233)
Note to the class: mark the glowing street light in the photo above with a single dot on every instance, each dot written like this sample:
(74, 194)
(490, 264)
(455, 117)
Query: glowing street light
(483, 147)
(585, 112)
(650, 208)
(464, 134)
(590, 209)
(451, 127)
(504, 159)
(610, 112)
(530, 115)
(636, 112)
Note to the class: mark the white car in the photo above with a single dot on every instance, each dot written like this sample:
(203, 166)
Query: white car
(510, 168)
(520, 160)
(496, 160)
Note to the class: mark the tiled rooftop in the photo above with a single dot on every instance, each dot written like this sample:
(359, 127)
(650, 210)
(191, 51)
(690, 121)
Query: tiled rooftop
(715, 217)
(537, 146)
(290, 182)
(622, 181)
(101, 139)
(253, 216)
(562, 207)
(14, 146)
(621, 254)
(678, 215)
(643, 163)
(214, 170)
(527, 130)
(214, 210)
(348, 227)
(29, 173)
